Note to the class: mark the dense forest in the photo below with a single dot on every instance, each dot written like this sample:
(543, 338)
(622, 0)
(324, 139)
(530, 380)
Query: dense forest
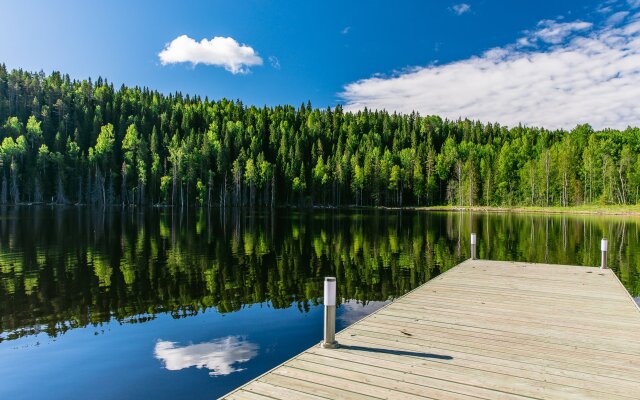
(84, 142)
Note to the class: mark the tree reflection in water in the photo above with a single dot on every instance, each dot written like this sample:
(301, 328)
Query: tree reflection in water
(62, 268)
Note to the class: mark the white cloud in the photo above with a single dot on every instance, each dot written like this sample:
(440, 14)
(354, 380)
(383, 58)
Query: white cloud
(461, 8)
(348, 28)
(220, 51)
(603, 9)
(554, 32)
(218, 356)
(634, 3)
(591, 76)
(617, 17)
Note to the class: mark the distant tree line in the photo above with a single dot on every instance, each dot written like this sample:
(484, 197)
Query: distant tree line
(83, 142)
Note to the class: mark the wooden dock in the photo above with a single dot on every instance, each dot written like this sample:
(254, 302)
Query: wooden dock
(482, 330)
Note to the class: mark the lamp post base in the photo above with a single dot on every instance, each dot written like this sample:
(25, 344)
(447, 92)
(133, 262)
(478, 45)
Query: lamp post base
(329, 345)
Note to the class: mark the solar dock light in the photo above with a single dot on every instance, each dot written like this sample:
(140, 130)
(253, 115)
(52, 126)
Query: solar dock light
(329, 341)
(473, 247)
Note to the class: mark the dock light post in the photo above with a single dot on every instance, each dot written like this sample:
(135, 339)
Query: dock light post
(473, 247)
(604, 248)
(329, 341)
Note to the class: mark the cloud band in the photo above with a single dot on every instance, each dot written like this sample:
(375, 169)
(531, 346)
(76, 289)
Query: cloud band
(558, 76)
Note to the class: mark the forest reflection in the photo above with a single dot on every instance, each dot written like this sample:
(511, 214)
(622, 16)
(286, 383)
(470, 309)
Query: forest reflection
(62, 268)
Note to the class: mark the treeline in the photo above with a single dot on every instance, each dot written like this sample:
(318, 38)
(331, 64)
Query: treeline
(83, 142)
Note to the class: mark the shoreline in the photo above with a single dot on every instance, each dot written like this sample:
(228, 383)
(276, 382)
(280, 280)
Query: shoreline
(592, 210)
(631, 211)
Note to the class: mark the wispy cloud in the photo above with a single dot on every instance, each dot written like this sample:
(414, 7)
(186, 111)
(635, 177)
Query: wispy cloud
(558, 75)
(275, 63)
(345, 30)
(555, 32)
(461, 8)
(604, 9)
(218, 356)
(223, 52)
(617, 17)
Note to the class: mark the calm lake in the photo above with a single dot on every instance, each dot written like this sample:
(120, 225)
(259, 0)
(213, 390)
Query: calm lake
(168, 304)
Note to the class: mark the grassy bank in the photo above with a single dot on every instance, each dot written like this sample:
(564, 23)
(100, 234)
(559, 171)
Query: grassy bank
(627, 210)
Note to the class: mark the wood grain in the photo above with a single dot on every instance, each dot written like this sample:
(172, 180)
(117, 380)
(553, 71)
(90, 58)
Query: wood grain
(482, 330)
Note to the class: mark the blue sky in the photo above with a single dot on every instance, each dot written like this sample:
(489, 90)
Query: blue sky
(355, 53)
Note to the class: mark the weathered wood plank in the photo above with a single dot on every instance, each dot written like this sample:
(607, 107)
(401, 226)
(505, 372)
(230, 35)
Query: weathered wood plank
(426, 367)
(499, 350)
(278, 392)
(483, 330)
(315, 387)
(599, 341)
(505, 337)
(248, 395)
(533, 318)
(478, 383)
(508, 302)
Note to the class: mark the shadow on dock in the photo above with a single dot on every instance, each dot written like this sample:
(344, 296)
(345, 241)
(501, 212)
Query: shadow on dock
(396, 352)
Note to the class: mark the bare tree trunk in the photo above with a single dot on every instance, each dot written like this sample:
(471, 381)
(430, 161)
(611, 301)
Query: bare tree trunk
(622, 189)
(175, 182)
(3, 190)
(111, 195)
(142, 194)
(100, 185)
(37, 192)
(123, 186)
(604, 174)
(590, 186)
(460, 191)
(564, 188)
(273, 190)
(488, 188)
(547, 172)
(60, 198)
(209, 190)
(15, 193)
(79, 195)
(251, 194)
(471, 184)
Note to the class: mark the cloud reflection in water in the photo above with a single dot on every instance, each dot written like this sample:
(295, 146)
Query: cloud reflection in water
(218, 356)
(352, 311)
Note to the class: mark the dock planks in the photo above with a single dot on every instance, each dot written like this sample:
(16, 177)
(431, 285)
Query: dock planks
(482, 330)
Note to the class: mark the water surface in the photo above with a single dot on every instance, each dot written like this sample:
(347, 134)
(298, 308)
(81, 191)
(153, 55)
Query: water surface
(164, 304)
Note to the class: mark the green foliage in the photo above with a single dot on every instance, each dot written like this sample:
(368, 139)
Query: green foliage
(201, 190)
(13, 127)
(34, 131)
(165, 184)
(136, 145)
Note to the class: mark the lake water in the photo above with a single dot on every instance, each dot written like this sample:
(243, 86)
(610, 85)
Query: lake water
(161, 304)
